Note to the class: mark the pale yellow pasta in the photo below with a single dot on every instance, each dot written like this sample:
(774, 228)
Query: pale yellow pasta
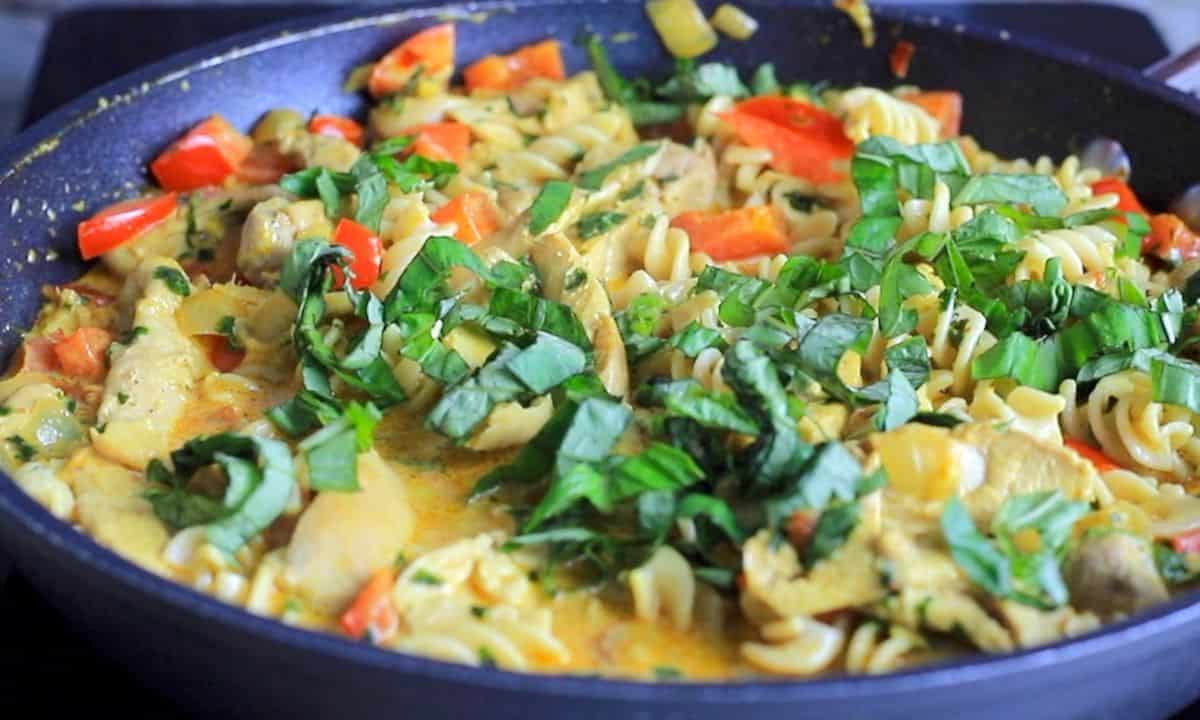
(874, 648)
(869, 112)
(664, 585)
(796, 646)
(1084, 252)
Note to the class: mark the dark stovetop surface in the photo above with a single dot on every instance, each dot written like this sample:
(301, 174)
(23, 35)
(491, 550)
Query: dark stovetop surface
(46, 669)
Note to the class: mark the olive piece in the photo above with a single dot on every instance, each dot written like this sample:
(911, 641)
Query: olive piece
(1187, 207)
(276, 124)
(1107, 156)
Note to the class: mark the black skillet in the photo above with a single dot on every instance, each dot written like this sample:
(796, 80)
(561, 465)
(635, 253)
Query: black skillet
(1022, 98)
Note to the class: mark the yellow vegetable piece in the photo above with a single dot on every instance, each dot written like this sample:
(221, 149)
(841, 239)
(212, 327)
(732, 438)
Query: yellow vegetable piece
(860, 14)
(923, 461)
(734, 22)
(682, 27)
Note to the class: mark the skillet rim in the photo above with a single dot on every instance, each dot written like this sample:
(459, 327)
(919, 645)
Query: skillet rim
(22, 152)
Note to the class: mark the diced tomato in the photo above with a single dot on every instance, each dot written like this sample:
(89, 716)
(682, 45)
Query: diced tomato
(1127, 200)
(83, 353)
(117, 224)
(221, 352)
(1188, 542)
(431, 50)
(1171, 239)
(803, 139)
(264, 165)
(901, 57)
(371, 614)
(946, 106)
(473, 214)
(1096, 457)
(207, 155)
(440, 141)
(367, 250)
(337, 126)
(736, 234)
(509, 72)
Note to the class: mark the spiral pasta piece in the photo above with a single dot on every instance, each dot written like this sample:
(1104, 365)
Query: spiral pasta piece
(874, 649)
(933, 215)
(867, 112)
(1085, 253)
(552, 156)
(1136, 432)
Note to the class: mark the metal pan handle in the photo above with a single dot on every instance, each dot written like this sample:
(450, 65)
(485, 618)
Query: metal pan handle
(1181, 71)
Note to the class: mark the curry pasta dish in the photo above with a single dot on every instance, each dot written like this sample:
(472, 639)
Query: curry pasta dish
(712, 375)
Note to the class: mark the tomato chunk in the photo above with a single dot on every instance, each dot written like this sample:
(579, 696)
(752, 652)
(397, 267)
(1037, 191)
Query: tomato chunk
(430, 51)
(804, 140)
(736, 234)
(367, 251)
(83, 353)
(440, 141)
(207, 155)
(473, 214)
(117, 224)
(337, 126)
(509, 72)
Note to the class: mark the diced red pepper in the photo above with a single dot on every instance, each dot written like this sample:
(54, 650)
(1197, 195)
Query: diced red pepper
(440, 141)
(804, 140)
(337, 126)
(431, 51)
(1095, 456)
(1171, 239)
(221, 352)
(367, 250)
(473, 214)
(1127, 200)
(117, 224)
(371, 614)
(901, 57)
(946, 106)
(207, 155)
(736, 234)
(509, 72)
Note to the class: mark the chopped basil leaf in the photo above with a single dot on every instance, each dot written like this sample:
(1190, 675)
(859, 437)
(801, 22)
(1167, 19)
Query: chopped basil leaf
(593, 179)
(549, 205)
(174, 279)
(599, 223)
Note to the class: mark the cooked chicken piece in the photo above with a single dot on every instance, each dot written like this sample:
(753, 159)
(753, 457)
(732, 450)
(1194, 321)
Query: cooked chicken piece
(272, 229)
(1113, 574)
(343, 537)
(1031, 626)
(166, 239)
(109, 506)
(152, 376)
(949, 612)
(688, 177)
(314, 150)
(1018, 464)
(777, 587)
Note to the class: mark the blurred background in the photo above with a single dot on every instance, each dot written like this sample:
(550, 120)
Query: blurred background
(52, 51)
